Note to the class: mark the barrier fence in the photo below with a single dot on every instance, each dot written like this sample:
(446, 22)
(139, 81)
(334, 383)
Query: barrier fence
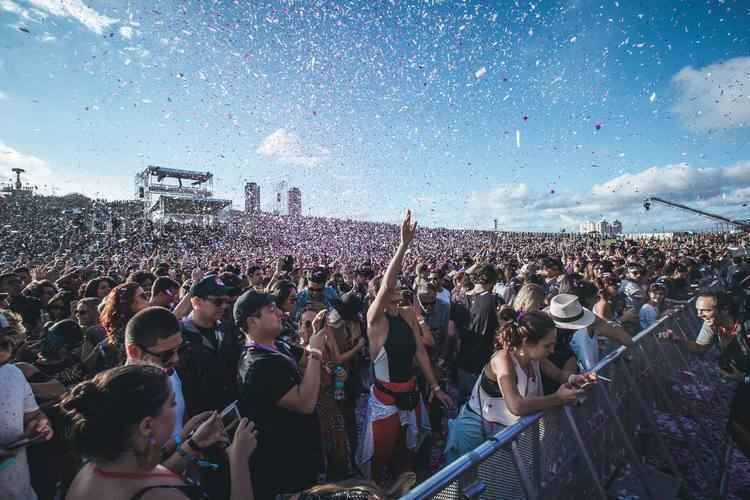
(598, 447)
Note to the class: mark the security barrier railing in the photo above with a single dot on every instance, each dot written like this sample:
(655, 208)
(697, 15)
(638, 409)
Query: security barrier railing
(596, 448)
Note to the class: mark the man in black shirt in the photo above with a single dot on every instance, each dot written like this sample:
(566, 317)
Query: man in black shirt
(279, 399)
(476, 321)
(208, 358)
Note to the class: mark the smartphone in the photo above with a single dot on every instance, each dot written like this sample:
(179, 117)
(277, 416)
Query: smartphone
(230, 416)
(24, 441)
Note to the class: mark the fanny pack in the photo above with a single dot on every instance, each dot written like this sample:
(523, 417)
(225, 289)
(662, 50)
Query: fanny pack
(405, 401)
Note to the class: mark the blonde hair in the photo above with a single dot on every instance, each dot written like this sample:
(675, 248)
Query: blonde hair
(529, 298)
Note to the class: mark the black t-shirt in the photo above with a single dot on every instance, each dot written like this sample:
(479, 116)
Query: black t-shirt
(477, 323)
(288, 458)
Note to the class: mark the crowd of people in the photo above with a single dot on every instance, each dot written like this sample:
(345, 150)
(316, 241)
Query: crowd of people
(308, 358)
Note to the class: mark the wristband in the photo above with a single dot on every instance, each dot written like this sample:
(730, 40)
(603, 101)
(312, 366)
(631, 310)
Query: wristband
(747, 379)
(314, 353)
(191, 443)
(186, 455)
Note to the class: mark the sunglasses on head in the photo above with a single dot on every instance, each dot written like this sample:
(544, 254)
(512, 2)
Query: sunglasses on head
(163, 356)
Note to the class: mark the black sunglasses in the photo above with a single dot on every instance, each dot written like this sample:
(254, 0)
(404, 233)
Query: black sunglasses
(163, 356)
(219, 302)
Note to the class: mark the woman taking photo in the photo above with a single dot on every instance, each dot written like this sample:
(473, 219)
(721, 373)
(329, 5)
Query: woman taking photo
(119, 421)
(395, 345)
(511, 384)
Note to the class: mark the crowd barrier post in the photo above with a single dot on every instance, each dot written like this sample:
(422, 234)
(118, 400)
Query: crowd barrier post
(543, 455)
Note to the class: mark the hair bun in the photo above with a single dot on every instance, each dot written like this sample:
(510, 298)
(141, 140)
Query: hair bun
(84, 400)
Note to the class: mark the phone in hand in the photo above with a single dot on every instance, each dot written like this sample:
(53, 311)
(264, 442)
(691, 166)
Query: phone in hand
(230, 416)
(24, 441)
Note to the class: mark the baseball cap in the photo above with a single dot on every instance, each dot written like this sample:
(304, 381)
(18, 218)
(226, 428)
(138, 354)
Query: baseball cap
(250, 303)
(210, 286)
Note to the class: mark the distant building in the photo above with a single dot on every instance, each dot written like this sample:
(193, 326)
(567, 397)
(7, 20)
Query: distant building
(294, 202)
(252, 198)
(602, 227)
(279, 193)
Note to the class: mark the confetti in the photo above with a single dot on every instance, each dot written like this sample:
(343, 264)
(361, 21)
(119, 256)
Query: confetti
(518, 138)
(480, 73)
(653, 97)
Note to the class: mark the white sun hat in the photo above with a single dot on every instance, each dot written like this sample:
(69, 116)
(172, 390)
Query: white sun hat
(567, 312)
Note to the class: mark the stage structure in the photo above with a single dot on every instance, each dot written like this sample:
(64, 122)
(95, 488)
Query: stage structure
(183, 196)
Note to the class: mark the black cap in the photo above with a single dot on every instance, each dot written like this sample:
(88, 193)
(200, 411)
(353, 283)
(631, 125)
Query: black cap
(250, 303)
(210, 286)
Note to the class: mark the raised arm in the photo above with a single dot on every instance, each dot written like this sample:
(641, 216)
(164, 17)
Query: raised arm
(377, 309)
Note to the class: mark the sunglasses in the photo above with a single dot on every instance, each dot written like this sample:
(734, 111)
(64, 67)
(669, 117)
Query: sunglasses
(163, 356)
(81, 312)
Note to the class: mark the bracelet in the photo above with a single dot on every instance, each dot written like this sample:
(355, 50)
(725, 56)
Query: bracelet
(184, 454)
(191, 443)
(314, 353)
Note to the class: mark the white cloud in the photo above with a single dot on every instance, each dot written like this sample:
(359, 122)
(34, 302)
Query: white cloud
(75, 9)
(126, 32)
(501, 197)
(32, 15)
(46, 177)
(722, 190)
(716, 96)
(286, 147)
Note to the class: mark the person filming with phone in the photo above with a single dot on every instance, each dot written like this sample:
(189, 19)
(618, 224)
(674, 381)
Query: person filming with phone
(279, 398)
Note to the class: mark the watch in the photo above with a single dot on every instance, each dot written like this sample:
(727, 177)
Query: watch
(191, 442)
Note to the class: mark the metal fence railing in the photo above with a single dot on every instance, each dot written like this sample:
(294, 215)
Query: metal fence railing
(595, 447)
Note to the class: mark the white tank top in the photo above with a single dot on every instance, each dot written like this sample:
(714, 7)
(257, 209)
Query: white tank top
(494, 409)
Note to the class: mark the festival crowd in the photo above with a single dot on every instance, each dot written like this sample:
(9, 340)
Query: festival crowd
(308, 358)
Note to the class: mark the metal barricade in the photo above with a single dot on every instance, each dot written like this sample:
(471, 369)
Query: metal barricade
(581, 451)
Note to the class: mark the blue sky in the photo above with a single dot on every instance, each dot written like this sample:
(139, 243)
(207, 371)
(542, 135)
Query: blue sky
(539, 114)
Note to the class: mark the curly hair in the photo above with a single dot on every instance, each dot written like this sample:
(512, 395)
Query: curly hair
(118, 310)
(530, 327)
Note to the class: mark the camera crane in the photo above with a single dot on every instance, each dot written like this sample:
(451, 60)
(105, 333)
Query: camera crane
(738, 224)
